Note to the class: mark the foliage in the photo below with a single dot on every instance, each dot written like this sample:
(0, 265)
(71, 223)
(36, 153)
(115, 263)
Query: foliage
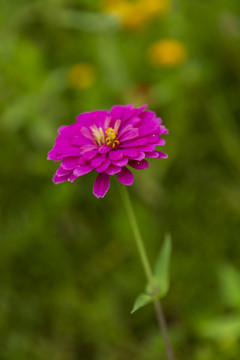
(160, 282)
(68, 269)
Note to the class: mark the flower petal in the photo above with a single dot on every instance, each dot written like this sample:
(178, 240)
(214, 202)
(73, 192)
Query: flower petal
(104, 149)
(140, 156)
(149, 127)
(113, 169)
(146, 148)
(162, 155)
(152, 154)
(130, 153)
(163, 130)
(63, 146)
(101, 185)
(104, 165)
(140, 109)
(69, 163)
(87, 157)
(72, 177)
(79, 141)
(133, 143)
(148, 115)
(121, 111)
(61, 172)
(125, 176)
(139, 165)
(132, 133)
(57, 154)
(153, 138)
(59, 179)
(96, 117)
(125, 129)
(121, 162)
(87, 133)
(52, 155)
(156, 155)
(134, 112)
(98, 160)
(82, 170)
(86, 148)
(63, 129)
(116, 154)
(160, 142)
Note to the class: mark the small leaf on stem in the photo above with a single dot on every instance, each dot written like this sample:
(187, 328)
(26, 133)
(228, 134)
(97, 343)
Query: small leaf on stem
(161, 282)
(161, 271)
(141, 300)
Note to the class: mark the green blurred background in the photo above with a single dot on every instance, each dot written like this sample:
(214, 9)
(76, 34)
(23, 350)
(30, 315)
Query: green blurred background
(69, 269)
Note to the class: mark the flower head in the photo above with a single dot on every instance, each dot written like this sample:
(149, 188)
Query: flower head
(135, 14)
(81, 76)
(167, 53)
(107, 141)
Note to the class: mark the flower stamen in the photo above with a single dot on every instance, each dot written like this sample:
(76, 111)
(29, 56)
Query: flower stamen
(98, 134)
(111, 139)
(108, 138)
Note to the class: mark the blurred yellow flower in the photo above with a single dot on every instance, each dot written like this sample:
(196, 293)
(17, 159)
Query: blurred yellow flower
(155, 7)
(167, 53)
(81, 76)
(134, 14)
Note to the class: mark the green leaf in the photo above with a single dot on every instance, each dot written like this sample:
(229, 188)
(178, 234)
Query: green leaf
(141, 300)
(160, 277)
(229, 278)
(161, 271)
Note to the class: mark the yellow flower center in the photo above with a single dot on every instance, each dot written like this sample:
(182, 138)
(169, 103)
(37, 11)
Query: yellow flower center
(109, 138)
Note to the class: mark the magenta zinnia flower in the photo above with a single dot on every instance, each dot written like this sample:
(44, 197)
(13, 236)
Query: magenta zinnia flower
(107, 141)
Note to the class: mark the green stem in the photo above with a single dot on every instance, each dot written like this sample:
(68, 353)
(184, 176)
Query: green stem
(148, 272)
(137, 236)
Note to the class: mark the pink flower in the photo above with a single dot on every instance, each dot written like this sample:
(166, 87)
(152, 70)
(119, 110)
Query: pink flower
(107, 141)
